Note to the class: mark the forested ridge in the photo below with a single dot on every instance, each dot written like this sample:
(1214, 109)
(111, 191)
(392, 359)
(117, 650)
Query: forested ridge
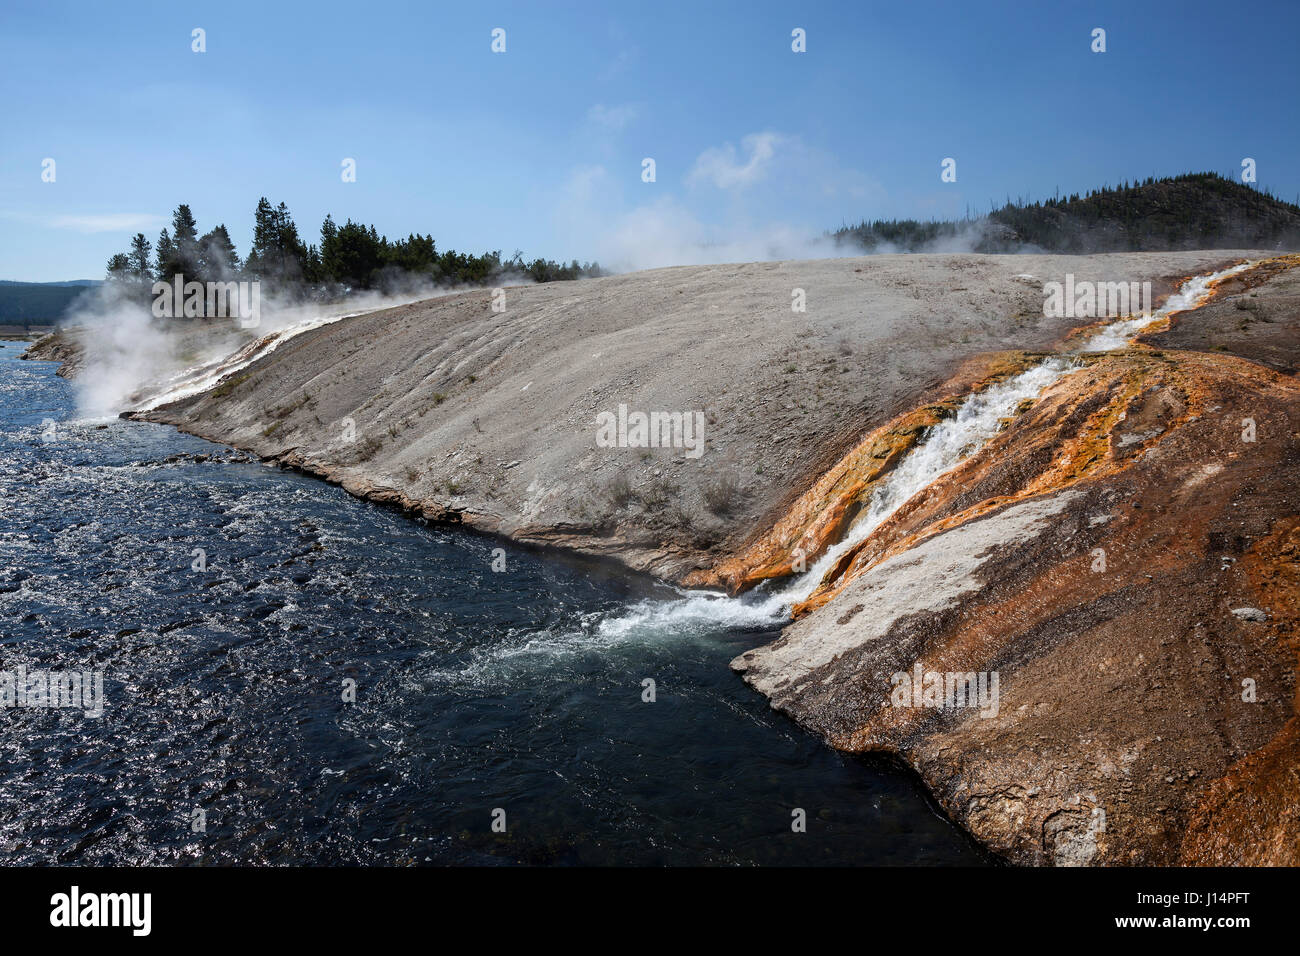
(1191, 211)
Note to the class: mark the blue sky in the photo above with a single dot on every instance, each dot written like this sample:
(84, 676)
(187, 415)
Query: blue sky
(540, 148)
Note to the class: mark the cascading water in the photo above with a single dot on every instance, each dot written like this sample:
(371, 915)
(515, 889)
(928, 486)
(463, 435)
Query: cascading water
(945, 446)
(203, 376)
(220, 686)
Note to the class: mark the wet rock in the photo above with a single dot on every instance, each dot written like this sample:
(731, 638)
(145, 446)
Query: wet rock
(1109, 675)
(1179, 732)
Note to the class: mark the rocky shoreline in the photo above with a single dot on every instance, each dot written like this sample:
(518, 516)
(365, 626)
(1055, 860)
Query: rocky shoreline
(1122, 732)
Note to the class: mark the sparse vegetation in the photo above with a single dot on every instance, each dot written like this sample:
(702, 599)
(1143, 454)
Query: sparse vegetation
(367, 447)
(618, 491)
(659, 493)
(229, 385)
(722, 493)
(286, 410)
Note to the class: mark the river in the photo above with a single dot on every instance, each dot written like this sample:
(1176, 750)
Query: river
(226, 737)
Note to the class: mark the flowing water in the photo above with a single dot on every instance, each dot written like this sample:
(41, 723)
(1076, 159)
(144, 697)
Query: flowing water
(474, 690)
(205, 374)
(226, 739)
(944, 446)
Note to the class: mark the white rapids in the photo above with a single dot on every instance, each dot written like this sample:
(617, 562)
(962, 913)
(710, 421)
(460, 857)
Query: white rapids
(945, 446)
(205, 375)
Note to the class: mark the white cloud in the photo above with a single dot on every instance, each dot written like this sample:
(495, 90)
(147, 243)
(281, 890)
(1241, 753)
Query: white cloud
(719, 164)
(112, 222)
(592, 215)
(612, 118)
(606, 212)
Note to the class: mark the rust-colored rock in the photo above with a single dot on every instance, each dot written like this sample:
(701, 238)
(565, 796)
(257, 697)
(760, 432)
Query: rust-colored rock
(1123, 556)
(824, 513)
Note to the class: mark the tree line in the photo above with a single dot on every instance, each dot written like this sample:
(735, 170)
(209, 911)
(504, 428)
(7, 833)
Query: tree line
(1190, 211)
(348, 258)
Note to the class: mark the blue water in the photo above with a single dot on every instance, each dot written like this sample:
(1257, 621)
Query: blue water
(475, 690)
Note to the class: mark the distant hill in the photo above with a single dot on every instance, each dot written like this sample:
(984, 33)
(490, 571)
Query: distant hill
(39, 303)
(1192, 211)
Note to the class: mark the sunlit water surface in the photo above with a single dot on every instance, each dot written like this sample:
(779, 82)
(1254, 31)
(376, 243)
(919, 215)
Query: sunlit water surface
(475, 690)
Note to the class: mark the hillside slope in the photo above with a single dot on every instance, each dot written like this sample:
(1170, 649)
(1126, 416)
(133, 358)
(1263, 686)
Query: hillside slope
(1125, 557)
(1193, 211)
(38, 303)
(1147, 699)
(488, 418)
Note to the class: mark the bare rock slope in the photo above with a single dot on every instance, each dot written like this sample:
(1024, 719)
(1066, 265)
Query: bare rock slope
(463, 413)
(1121, 557)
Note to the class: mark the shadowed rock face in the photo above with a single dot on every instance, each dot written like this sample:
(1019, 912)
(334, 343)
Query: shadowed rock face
(1091, 556)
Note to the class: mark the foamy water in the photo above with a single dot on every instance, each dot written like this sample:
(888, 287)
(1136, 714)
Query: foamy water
(205, 375)
(1190, 295)
(944, 446)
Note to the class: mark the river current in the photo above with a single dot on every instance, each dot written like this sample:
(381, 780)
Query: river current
(332, 682)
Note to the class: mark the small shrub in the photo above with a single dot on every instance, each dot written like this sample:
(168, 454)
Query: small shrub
(286, 410)
(658, 494)
(367, 447)
(230, 384)
(619, 491)
(722, 493)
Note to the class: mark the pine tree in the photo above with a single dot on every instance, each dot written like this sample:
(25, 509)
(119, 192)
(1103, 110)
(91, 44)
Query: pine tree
(185, 230)
(138, 257)
(163, 254)
(293, 251)
(313, 272)
(217, 259)
(329, 235)
(185, 236)
(277, 251)
(357, 255)
(178, 254)
(119, 268)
